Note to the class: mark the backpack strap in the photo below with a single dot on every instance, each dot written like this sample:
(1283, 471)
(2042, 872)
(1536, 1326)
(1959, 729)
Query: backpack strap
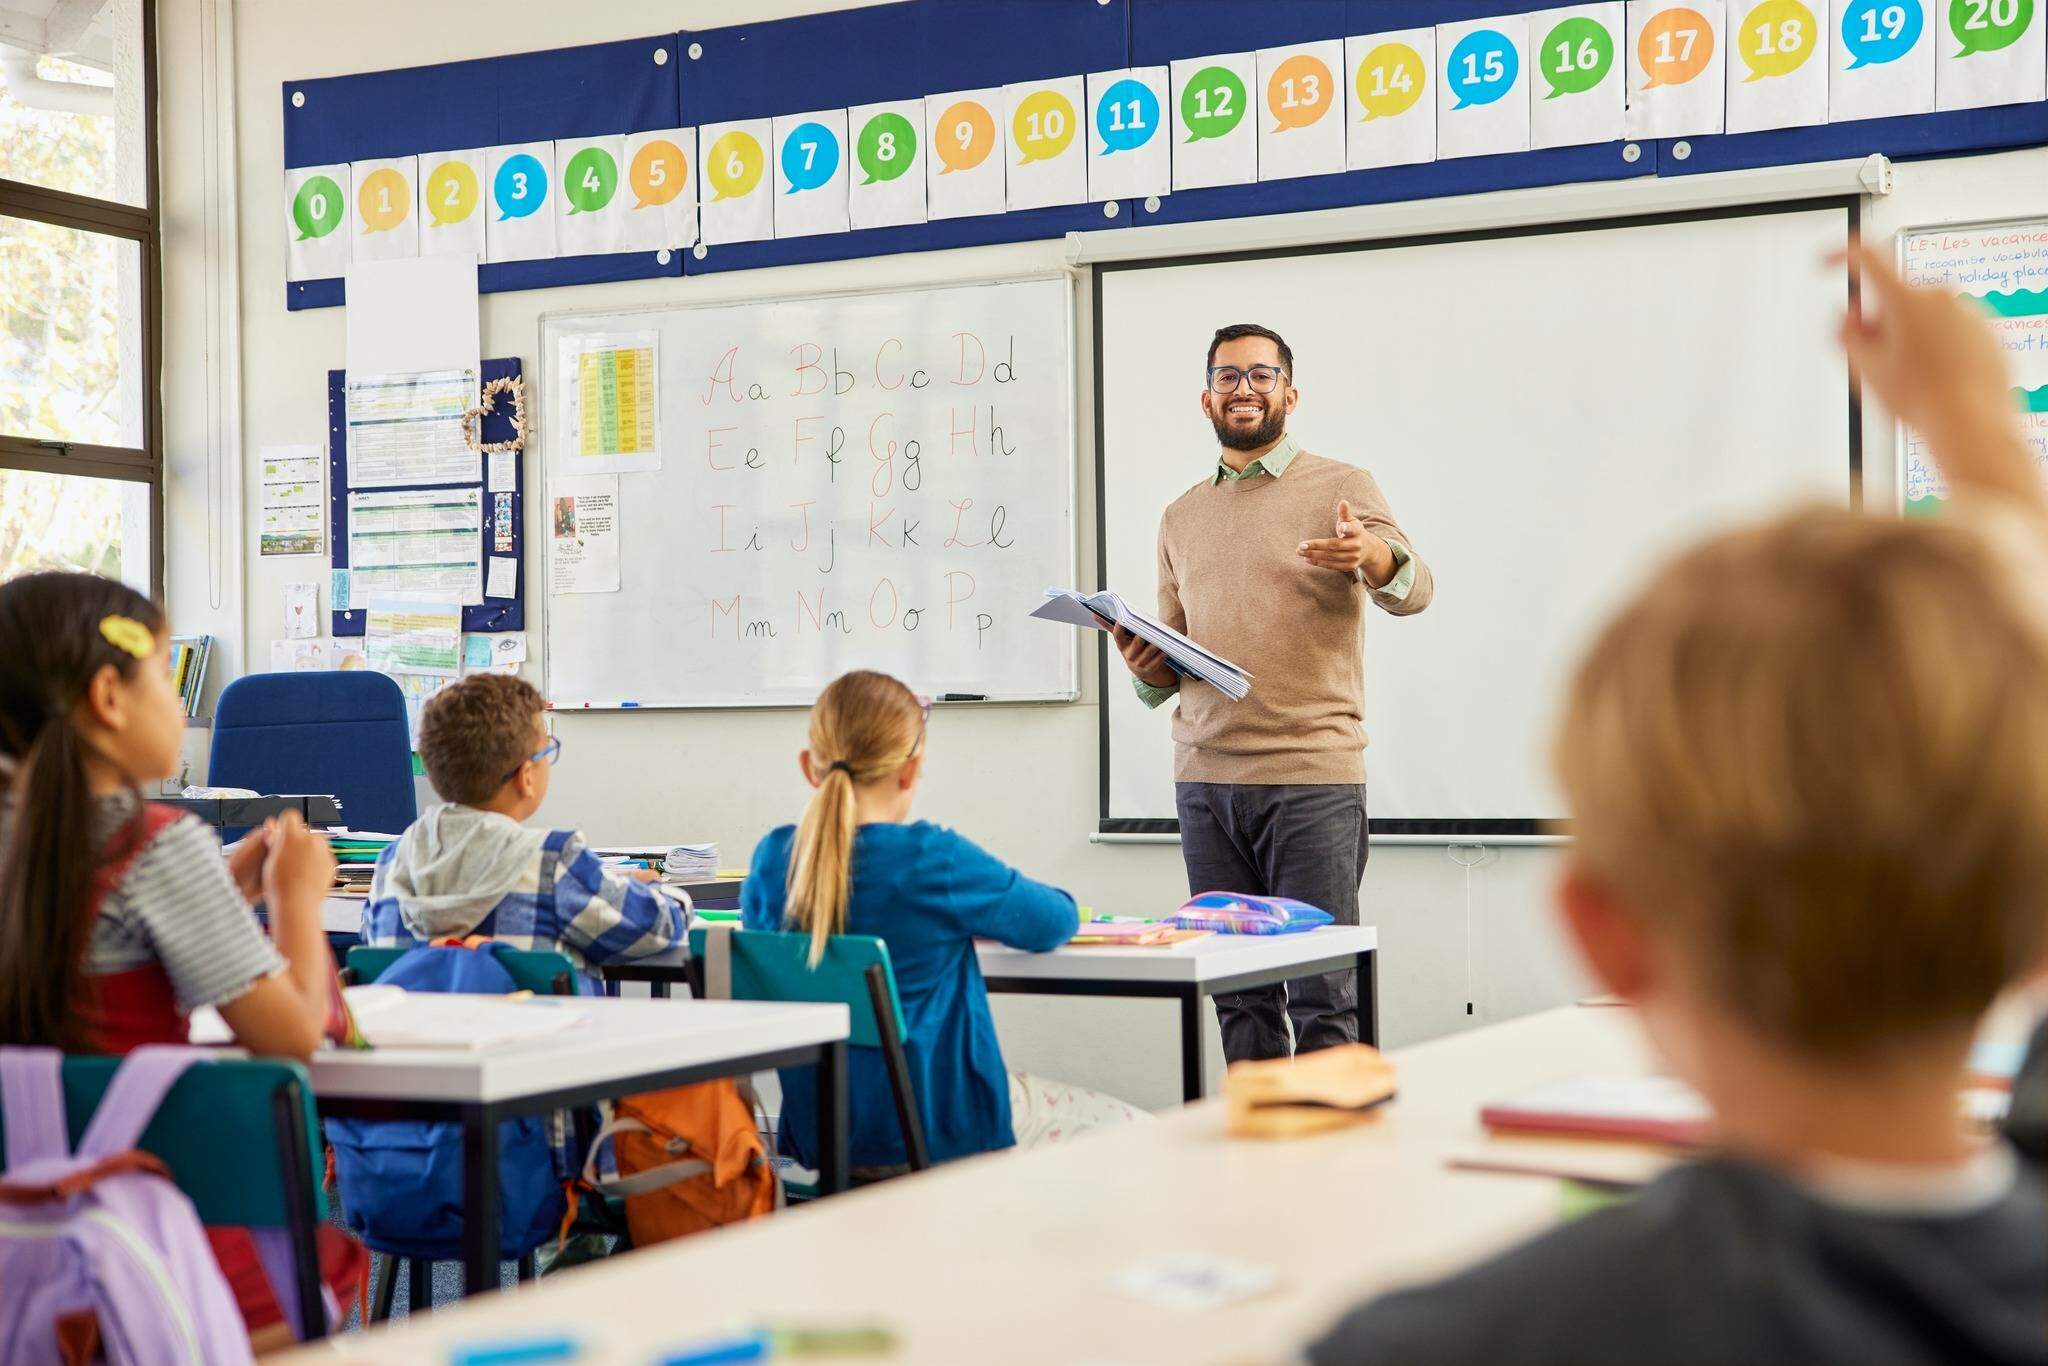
(139, 1085)
(640, 1182)
(32, 1099)
(718, 962)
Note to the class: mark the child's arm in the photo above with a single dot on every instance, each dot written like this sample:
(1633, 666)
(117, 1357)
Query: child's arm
(285, 1014)
(610, 917)
(1000, 903)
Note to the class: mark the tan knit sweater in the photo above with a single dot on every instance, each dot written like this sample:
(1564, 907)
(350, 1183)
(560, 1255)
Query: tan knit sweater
(1230, 578)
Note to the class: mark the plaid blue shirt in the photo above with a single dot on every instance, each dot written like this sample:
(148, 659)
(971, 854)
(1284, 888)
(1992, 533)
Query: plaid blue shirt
(572, 902)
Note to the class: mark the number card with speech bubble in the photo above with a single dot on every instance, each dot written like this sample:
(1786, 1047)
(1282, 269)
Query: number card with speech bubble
(885, 183)
(1883, 59)
(1048, 154)
(1677, 65)
(521, 223)
(1579, 93)
(965, 148)
(1215, 141)
(1301, 110)
(316, 202)
(590, 201)
(810, 173)
(660, 190)
(1482, 100)
(1129, 156)
(735, 196)
(1778, 71)
(1390, 116)
(1991, 53)
(386, 228)
(451, 203)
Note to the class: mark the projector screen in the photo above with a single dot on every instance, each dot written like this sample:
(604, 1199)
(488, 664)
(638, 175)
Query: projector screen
(1550, 412)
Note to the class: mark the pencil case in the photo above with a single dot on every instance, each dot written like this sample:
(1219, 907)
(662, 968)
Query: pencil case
(1240, 913)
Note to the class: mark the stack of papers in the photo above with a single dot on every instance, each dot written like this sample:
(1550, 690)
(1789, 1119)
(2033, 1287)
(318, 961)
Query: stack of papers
(1100, 611)
(392, 1017)
(690, 863)
(355, 857)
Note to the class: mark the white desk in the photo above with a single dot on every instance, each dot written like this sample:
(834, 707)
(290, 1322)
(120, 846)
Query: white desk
(1011, 1257)
(1187, 973)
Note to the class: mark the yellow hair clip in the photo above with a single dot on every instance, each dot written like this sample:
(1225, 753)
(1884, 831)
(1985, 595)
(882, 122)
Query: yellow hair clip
(126, 633)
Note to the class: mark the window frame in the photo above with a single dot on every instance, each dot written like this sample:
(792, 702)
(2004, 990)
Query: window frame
(143, 226)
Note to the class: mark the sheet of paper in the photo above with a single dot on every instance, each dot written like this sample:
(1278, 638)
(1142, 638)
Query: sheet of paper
(1677, 67)
(1884, 57)
(661, 190)
(1579, 91)
(885, 185)
(414, 638)
(341, 590)
(508, 647)
(476, 651)
(384, 224)
(521, 188)
(590, 211)
(503, 578)
(416, 688)
(416, 545)
(300, 656)
(1047, 155)
(411, 316)
(1214, 140)
(609, 391)
(451, 204)
(294, 502)
(1301, 127)
(1778, 71)
(1992, 53)
(301, 610)
(1482, 100)
(348, 654)
(1195, 1280)
(966, 150)
(316, 203)
(1129, 156)
(583, 534)
(735, 199)
(502, 472)
(407, 429)
(1392, 109)
(501, 523)
(810, 173)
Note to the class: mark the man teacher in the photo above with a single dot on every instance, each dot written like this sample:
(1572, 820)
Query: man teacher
(1269, 562)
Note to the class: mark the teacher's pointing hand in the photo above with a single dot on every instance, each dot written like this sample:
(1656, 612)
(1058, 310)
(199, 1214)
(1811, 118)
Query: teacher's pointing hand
(1353, 547)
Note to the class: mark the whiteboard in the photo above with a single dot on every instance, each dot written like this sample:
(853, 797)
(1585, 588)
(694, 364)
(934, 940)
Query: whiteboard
(1549, 413)
(871, 480)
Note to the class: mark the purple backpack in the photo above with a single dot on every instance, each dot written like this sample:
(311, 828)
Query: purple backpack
(98, 1248)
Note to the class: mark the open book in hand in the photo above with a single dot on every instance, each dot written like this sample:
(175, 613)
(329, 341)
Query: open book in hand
(1101, 611)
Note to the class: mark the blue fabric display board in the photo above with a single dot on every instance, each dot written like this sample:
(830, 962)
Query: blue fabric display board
(492, 614)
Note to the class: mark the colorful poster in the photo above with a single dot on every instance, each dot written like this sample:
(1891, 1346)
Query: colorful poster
(1214, 143)
(1580, 93)
(1991, 53)
(589, 208)
(386, 228)
(1048, 157)
(316, 200)
(407, 428)
(1883, 59)
(965, 153)
(885, 185)
(1778, 77)
(414, 638)
(451, 204)
(416, 545)
(610, 399)
(1482, 102)
(294, 503)
(583, 534)
(661, 190)
(1392, 116)
(810, 173)
(1677, 68)
(1128, 154)
(521, 226)
(1301, 123)
(734, 197)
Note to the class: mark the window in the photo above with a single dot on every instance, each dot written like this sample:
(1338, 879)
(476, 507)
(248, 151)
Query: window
(81, 459)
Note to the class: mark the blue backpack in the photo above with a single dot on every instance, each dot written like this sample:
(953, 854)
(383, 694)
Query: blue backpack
(400, 1180)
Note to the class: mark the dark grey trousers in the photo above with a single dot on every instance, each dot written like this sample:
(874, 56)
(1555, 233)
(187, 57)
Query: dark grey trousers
(1306, 841)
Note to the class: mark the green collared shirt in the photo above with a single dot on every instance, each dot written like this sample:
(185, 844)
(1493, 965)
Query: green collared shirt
(1272, 465)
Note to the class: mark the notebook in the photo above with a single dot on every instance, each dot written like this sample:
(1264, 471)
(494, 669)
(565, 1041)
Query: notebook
(1651, 1109)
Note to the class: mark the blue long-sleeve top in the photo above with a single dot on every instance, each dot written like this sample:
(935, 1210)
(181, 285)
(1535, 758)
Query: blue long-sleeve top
(930, 893)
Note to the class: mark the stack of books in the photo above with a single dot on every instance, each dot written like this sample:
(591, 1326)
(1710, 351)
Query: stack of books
(690, 863)
(355, 858)
(1101, 611)
(189, 656)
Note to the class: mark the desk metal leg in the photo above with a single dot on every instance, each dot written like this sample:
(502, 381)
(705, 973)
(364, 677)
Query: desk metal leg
(658, 990)
(1369, 998)
(1191, 1044)
(479, 1199)
(834, 1119)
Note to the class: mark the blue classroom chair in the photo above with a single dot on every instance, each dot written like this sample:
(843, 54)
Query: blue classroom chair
(340, 733)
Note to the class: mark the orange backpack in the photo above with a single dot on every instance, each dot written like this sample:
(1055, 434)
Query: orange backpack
(689, 1159)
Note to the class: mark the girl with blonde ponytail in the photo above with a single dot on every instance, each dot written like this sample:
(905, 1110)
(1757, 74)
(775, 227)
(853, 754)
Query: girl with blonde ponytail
(857, 864)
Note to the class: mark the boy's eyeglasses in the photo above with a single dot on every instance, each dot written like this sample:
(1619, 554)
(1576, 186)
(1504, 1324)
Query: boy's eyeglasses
(546, 754)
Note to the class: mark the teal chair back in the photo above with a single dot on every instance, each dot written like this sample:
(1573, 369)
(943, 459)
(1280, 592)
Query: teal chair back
(544, 972)
(240, 1139)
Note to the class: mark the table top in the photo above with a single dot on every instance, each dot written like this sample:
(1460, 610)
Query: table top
(1031, 1243)
(616, 1039)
